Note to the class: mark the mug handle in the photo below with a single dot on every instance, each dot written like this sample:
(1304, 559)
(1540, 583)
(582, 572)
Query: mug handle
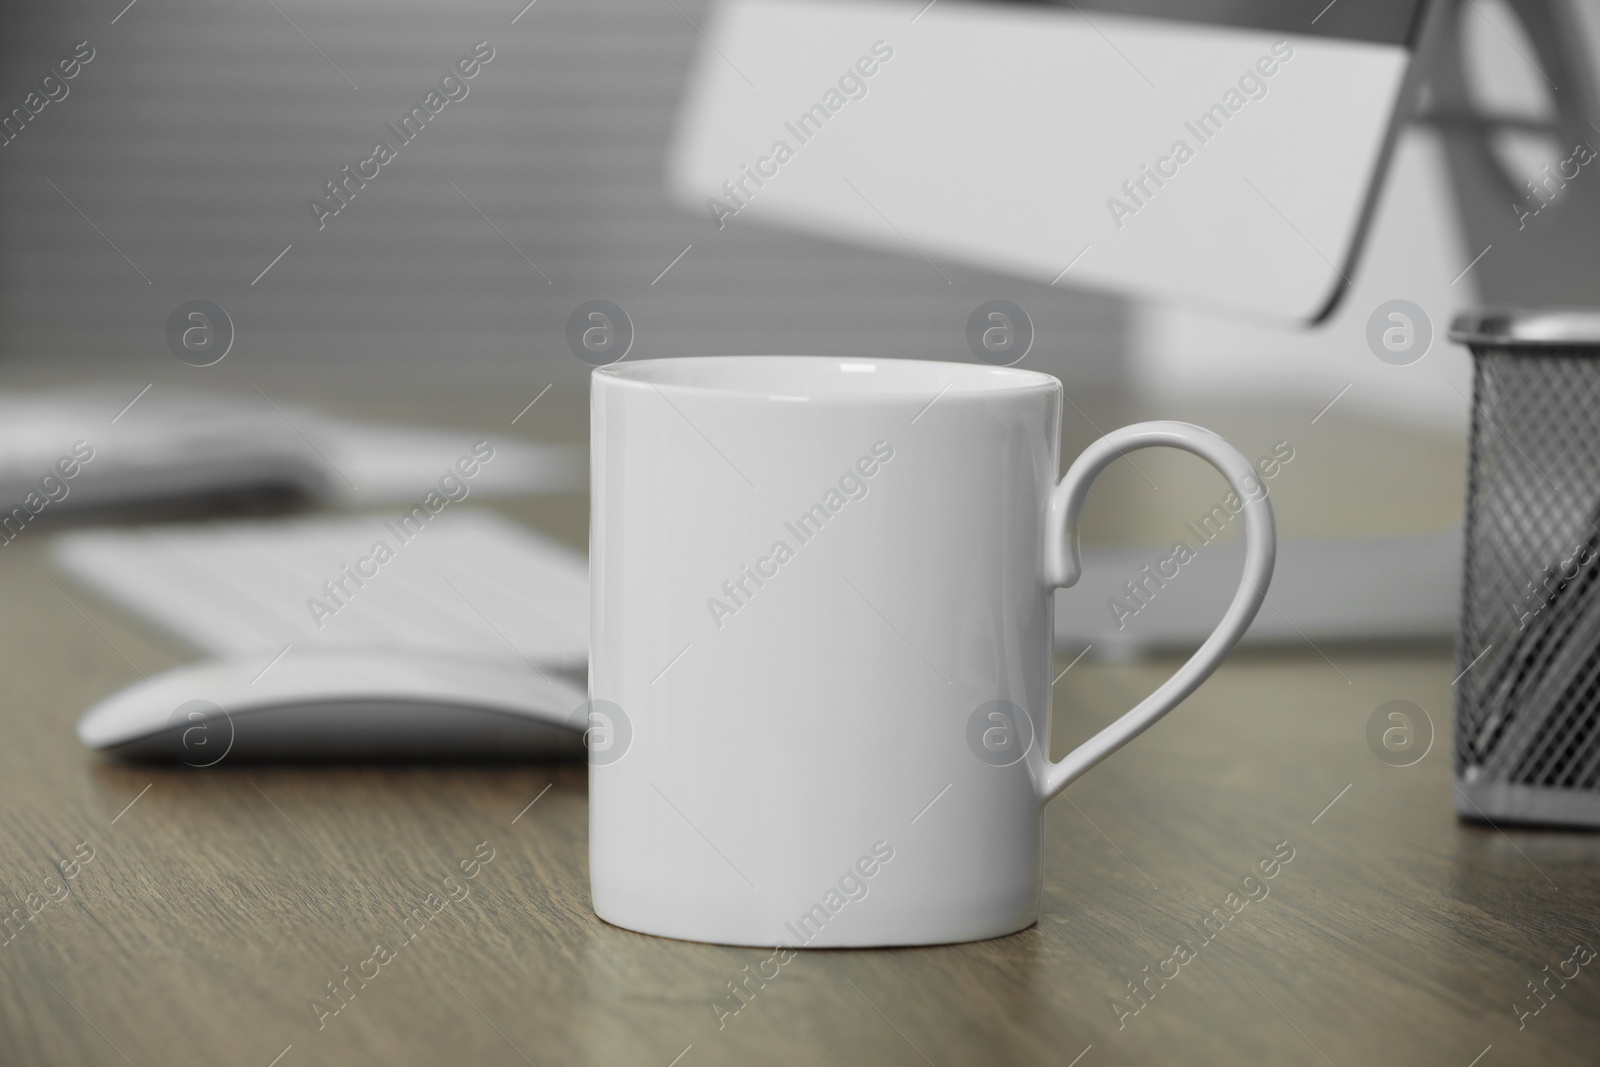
(1062, 568)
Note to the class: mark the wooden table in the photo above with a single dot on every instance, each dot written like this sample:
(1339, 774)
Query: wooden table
(218, 905)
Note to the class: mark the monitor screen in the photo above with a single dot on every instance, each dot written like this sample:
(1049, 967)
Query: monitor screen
(1219, 154)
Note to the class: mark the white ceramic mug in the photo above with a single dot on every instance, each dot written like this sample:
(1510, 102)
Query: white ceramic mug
(821, 651)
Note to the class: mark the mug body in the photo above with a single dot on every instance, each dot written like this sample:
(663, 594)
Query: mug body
(821, 648)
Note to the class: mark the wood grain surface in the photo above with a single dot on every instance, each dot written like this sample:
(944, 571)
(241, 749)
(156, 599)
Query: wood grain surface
(219, 905)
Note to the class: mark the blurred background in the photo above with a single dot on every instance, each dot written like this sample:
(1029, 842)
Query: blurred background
(180, 165)
(197, 133)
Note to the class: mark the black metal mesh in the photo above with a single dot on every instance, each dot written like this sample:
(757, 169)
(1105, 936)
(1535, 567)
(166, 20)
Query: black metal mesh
(1528, 710)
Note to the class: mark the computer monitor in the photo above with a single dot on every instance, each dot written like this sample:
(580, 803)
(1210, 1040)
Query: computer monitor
(1221, 154)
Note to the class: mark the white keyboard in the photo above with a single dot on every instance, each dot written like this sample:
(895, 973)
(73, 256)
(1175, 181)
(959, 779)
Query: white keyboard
(475, 584)
(468, 582)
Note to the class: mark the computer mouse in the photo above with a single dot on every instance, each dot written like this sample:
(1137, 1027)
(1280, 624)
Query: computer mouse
(345, 704)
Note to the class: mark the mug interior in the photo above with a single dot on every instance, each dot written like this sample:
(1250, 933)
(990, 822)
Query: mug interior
(827, 377)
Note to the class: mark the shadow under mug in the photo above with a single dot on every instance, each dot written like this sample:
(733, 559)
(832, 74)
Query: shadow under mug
(821, 647)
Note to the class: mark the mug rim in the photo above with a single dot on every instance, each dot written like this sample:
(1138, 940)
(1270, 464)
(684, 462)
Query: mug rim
(966, 379)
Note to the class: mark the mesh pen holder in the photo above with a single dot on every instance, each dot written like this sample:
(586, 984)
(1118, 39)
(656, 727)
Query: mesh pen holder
(1527, 713)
